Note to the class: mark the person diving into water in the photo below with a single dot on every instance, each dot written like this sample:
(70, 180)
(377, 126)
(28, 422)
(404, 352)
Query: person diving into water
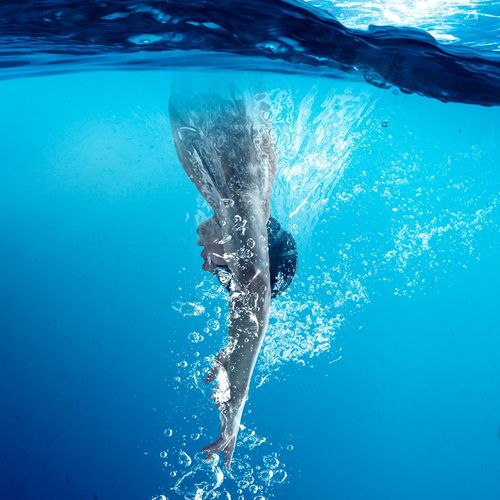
(224, 142)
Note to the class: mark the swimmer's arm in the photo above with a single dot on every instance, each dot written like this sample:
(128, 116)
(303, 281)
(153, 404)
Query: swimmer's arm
(248, 306)
(248, 315)
(248, 319)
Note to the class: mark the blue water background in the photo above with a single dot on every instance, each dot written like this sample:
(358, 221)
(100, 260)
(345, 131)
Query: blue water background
(98, 242)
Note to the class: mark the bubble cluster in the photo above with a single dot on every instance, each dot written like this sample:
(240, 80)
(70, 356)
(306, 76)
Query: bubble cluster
(256, 470)
(317, 135)
(397, 228)
(188, 308)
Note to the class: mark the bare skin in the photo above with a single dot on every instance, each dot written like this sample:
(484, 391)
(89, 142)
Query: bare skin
(225, 147)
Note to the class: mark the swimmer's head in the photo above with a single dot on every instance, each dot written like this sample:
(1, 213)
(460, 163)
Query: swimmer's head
(282, 257)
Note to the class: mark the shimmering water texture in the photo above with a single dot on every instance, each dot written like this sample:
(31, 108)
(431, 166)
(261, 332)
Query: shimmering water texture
(291, 36)
(379, 374)
(429, 213)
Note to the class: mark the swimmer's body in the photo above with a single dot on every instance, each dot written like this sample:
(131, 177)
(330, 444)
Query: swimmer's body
(225, 146)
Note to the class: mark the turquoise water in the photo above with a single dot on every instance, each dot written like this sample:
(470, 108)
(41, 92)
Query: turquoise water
(380, 373)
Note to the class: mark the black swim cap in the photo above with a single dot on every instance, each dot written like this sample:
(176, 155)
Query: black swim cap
(282, 259)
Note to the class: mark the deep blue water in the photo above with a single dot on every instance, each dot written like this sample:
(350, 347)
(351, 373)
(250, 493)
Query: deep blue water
(380, 376)
(51, 36)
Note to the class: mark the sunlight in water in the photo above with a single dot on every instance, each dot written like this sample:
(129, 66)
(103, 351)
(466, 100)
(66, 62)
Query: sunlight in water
(443, 19)
(313, 153)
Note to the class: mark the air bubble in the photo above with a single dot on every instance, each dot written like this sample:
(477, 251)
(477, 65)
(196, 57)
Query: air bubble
(184, 459)
(377, 80)
(213, 324)
(271, 461)
(266, 475)
(195, 337)
(188, 308)
(145, 39)
(227, 202)
(280, 476)
(200, 481)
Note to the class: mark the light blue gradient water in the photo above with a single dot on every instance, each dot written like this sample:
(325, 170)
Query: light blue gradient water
(399, 398)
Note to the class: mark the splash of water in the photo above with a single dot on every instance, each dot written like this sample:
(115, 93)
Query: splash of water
(429, 220)
(316, 137)
(257, 470)
(447, 20)
(282, 36)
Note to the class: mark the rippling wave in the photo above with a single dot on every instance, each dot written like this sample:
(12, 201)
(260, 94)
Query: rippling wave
(468, 22)
(44, 37)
